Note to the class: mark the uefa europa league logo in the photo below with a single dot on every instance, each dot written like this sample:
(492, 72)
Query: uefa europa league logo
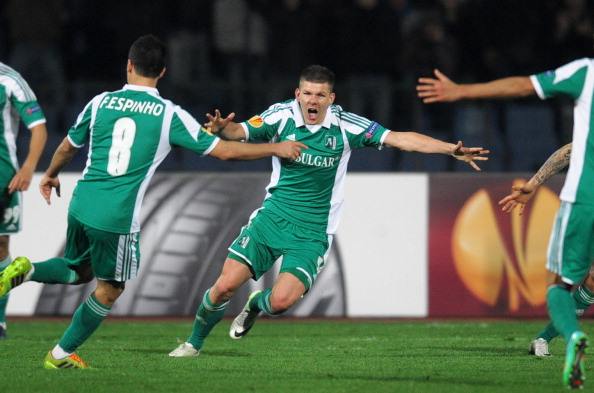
(489, 258)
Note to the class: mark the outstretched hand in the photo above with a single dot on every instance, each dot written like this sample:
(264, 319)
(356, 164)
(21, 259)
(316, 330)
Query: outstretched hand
(470, 154)
(45, 187)
(216, 123)
(519, 196)
(442, 89)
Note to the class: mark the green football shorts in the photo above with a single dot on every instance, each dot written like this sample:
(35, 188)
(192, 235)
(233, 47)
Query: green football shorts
(267, 237)
(112, 256)
(571, 246)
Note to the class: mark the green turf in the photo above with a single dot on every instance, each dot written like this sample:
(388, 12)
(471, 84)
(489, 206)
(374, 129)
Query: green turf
(292, 356)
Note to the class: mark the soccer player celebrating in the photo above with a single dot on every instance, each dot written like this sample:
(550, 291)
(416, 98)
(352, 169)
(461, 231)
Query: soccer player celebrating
(17, 100)
(129, 132)
(302, 207)
(571, 247)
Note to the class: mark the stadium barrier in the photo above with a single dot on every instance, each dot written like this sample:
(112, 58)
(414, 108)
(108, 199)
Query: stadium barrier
(409, 245)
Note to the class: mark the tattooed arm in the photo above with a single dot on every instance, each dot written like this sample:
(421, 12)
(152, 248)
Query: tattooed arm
(520, 195)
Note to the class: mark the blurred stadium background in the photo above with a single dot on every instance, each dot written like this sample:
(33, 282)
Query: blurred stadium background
(243, 55)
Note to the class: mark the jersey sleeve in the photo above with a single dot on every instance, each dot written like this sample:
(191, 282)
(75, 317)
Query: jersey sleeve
(568, 80)
(362, 132)
(80, 130)
(24, 101)
(186, 132)
(264, 127)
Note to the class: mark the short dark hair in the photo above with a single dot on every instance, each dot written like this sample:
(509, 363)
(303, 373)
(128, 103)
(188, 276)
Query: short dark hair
(317, 74)
(147, 54)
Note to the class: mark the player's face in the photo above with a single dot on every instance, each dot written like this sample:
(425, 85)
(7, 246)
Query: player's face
(314, 99)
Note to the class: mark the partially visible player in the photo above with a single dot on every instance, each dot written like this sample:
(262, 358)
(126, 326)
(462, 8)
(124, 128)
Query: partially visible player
(129, 132)
(17, 102)
(571, 247)
(301, 210)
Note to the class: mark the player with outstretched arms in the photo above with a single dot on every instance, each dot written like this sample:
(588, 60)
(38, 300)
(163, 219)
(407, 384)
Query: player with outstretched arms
(301, 210)
(571, 246)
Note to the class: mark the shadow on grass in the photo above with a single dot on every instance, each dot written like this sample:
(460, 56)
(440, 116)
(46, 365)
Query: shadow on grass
(417, 379)
(165, 352)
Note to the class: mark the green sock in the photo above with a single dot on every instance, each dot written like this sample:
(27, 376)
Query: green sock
(53, 271)
(261, 302)
(207, 317)
(86, 319)
(561, 306)
(3, 303)
(584, 298)
(4, 300)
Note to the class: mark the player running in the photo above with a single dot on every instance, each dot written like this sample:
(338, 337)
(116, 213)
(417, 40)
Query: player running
(129, 132)
(571, 246)
(302, 207)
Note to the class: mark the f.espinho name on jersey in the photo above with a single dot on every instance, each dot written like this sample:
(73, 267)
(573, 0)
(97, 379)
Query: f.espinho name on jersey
(318, 161)
(128, 105)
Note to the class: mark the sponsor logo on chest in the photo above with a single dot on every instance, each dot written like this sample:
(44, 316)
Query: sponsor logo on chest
(317, 161)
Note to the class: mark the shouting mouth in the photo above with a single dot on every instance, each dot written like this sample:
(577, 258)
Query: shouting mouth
(312, 114)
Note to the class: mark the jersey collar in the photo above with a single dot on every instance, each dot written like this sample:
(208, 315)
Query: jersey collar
(298, 116)
(148, 89)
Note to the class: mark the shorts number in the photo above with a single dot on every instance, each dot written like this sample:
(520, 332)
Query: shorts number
(122, 138)
(11, 215)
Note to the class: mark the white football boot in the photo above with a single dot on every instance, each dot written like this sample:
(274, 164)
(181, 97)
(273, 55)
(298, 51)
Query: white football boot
(184, 350)
(539, 347)
(242, 324)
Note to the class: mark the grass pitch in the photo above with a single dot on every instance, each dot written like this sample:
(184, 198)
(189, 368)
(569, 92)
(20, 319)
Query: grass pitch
(282, 355)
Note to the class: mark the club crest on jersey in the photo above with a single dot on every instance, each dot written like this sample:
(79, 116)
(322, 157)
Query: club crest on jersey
(330, 142)
(291, 137)
(256, 121)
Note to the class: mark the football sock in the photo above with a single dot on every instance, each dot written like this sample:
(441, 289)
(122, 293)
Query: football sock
(261, 302)
(584, 298)
(53, 271)
(4, 299)
(561, 306)
(86, 319)
(208, 315)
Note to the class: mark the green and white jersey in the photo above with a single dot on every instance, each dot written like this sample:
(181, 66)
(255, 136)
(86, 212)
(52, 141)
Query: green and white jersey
(17, 101)
(130, 132)
(575, 80)
(309, 191)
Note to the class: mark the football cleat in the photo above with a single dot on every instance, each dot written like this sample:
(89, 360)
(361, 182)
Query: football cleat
(242, 324)
(185, 350)
(539, 347)
(2, 331)
(71, 361)
(14, 274)
(573, 372)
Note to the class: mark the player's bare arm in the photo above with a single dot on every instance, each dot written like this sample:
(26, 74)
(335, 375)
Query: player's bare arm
(224, 127)
(22, 179)
(443, 89)
(62, 156)
(414, 141)
(521, 194)
(230, 150)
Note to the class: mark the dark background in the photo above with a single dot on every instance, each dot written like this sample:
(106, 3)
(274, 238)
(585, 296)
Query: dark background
(243, 55)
